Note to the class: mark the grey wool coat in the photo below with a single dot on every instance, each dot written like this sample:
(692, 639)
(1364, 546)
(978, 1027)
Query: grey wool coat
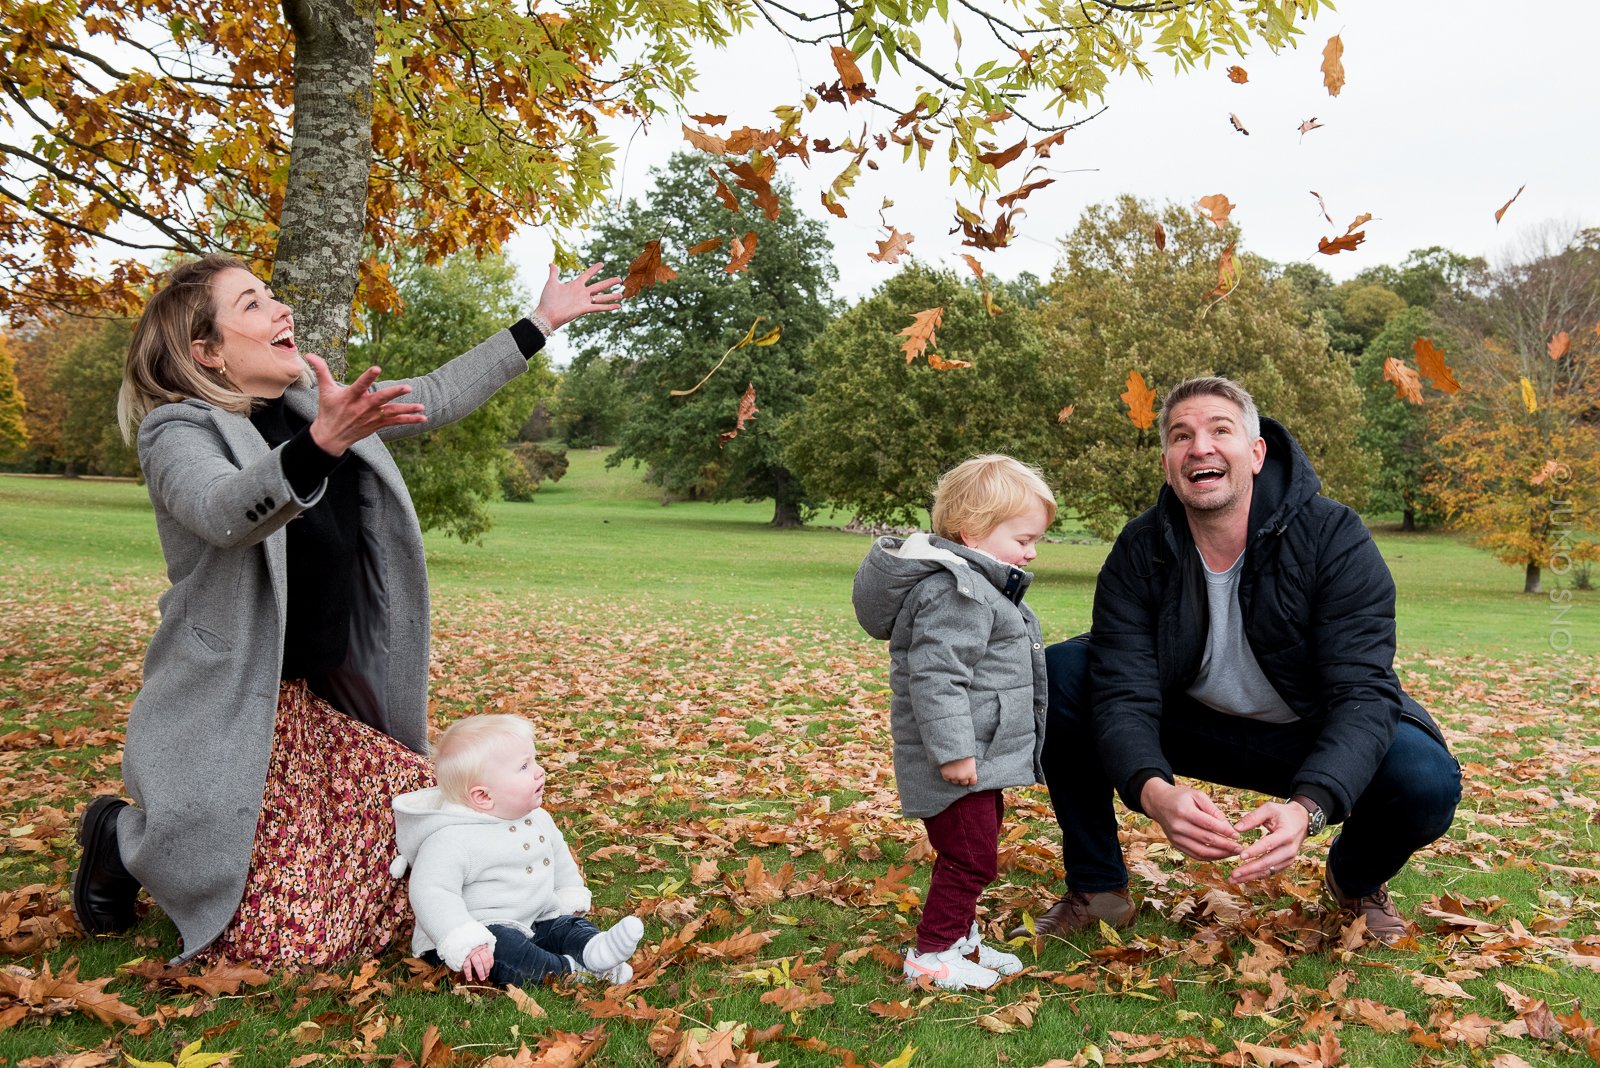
(966, 666)
(200, 732)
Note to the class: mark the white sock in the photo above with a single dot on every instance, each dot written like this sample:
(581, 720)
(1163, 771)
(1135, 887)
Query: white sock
(610, 948)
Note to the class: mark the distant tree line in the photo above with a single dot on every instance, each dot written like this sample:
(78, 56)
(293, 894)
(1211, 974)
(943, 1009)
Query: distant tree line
(844, 421)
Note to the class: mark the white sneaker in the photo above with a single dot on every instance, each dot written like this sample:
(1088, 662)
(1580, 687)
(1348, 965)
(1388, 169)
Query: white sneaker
(994, 959)
(949, 969)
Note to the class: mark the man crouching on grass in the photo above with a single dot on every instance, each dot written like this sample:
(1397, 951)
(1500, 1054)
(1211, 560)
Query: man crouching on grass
(1243, 635)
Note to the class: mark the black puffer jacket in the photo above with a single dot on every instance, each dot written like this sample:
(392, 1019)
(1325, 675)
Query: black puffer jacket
(1318, 606)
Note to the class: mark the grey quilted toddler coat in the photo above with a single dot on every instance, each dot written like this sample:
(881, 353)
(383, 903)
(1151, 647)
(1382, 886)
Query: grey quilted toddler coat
(966, 665)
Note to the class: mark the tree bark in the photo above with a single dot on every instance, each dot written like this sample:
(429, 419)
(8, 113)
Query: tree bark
(786, 500)
(1531, 583)
(1408, 520)
(324, 211)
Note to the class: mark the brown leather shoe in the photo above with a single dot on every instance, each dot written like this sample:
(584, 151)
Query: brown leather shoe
(1384, 921)
(1079, 912)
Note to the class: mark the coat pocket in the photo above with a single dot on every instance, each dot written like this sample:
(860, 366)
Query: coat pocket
(1014, 726)
(986, 720)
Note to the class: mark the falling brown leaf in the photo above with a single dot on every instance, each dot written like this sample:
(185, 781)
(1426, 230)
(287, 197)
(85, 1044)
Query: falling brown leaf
(1333, 65)
(1508, 203)
(724, 194)
(972, 262)
(740, 251)
(1042, 147)
(1227, 274)
(1364, 217)
(1000, 157)
(1559, 344)
(1238, 75)
(1022, 192)
(747, 411)
(646, 270)
(1161, 238)
(1430, 361)
(705, 142)
(850, 79)
(1237, 125)
(891, 248)
(1140, 400)
(708, 245)
(832, 205)
(939, 363)
(756, 176)
(1216, 208)
(710, 120)
(1322, 207)
(1407, 385)
(1066, 413)
(920, 334)
(1309, 125)
(1347, 243)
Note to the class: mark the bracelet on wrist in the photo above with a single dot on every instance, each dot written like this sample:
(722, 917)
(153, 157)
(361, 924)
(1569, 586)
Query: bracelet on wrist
(541, 323)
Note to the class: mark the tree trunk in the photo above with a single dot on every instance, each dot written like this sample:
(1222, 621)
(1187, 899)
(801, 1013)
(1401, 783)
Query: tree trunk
(324, 211)
(785, 500)
(1531, 583)
(1408, 520)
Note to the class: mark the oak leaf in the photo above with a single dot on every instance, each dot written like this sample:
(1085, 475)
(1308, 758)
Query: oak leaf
(1066, 413)
(744, 414)
(1322, 207)
(710, 244)
(1042, 147)
(740, 251)
(797, 998)
(1238, 75)
(724, 194)
(891, 248)
(939, 363)
(710, 120)
(1215, 207)
(738, 946)
(756, 176)
(1237, 125)
(1000, 157)
(920, 334)
(1507, 204)
(1161, 238)
(972, 262)
(523, 1001)
(1022, 192)
(1227, 274)
(850, 79)
(1430, 362)
(1333, 65)
(647, 270)
(1559, 345)
(1309, 125)
(705, 142)
(1407, 386)
(1140, 400)
(989, 305)
(1336, 245)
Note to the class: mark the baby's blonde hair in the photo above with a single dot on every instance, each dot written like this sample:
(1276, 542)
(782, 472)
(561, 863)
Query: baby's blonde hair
(463, 751)
(978, 495)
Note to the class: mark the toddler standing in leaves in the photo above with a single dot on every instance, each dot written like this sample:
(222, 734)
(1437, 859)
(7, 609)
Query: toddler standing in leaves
(496, 892)
(966, 665)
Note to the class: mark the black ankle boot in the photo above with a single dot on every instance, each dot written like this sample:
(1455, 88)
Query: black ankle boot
(103, 890)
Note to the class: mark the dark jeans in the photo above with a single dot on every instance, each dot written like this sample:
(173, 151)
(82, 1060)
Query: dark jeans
(1409, 803)
(967, 838)
(520, 960)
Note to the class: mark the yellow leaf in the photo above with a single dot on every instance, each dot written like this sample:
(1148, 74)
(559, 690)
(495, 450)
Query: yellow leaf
(1529, 398)
(903, 1060)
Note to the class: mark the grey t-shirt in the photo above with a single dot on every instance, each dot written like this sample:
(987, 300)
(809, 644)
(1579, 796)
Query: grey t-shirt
(1230, 680)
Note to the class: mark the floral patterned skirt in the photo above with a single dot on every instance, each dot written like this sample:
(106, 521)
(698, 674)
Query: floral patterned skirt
(319, 889)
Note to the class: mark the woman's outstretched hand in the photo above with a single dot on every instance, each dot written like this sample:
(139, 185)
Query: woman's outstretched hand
(561, 302)
(346, 414)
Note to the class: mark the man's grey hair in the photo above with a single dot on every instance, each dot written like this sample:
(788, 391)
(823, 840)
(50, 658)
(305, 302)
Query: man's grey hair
(1211, 386)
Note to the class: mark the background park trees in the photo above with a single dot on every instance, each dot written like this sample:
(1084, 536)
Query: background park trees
(677, 331)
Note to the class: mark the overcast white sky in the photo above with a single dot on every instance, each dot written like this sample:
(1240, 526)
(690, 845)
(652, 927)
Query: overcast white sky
(1447, 110)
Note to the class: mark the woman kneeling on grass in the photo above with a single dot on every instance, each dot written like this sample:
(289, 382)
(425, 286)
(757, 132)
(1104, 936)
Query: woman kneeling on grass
(285, 691)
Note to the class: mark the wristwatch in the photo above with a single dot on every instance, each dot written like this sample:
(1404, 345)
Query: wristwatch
(1318, 819)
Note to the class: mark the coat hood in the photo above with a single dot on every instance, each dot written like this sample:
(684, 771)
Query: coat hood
(894, 567)
(420, 813)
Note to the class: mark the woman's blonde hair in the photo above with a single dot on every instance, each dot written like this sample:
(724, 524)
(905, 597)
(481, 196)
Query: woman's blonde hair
(161, 367)
(978, 495)
(463, 751)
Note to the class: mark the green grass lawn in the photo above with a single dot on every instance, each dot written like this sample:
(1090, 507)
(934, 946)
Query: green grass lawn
(715, 729)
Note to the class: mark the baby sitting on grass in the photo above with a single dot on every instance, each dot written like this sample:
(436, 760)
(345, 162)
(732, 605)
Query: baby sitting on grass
(497, 894)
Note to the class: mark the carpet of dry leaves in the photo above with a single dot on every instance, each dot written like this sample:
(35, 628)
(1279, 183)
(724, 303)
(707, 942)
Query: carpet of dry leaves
(728, 780)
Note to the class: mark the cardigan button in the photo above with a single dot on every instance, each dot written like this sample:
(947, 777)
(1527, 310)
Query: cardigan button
(512, 828)
(547, 862)
(529, 869)
(529, 823)
(527, 845)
